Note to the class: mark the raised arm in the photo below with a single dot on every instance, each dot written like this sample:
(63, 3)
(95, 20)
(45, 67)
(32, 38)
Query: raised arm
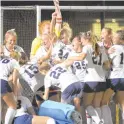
(58, 18)
(53, 22)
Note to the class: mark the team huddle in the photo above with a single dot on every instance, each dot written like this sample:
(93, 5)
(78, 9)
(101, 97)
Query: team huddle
(82, 68)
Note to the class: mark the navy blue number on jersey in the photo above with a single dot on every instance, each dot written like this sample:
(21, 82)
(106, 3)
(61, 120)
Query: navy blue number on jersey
(66, 55)
(80, 65)
(95, 61)
(18, 104)
(5, 61)
(60, 54)
(122, 58)
(58, 71)
(32, 70)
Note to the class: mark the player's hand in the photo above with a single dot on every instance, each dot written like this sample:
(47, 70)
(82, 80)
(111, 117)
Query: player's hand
(54, 15)
(56, 1)
(111, 50)
(44, 97)
(57, 8)
(56, 61)
(39, 61)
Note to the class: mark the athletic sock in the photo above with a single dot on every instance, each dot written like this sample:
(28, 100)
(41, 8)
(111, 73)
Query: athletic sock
(10, 114)
(51, 121)
(99, 112)
(88, 118)
(76, 117)
(93, 113)
(106, 114)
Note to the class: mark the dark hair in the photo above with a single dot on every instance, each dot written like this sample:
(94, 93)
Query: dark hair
(78, 37)
(23, 58)
(121, 34)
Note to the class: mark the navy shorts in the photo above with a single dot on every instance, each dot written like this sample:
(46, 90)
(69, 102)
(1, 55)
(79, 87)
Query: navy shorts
(5, 88)
(24, 119)
(108, 84)
(91, 87)
(72, 91)
(116, 84)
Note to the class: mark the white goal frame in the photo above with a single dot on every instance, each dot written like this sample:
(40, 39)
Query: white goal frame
(70, 8)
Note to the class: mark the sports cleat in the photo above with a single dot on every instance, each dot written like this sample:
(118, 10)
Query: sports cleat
(101, 122)
(76, 117)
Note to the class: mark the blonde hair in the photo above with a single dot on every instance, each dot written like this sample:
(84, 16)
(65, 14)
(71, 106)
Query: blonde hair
(42, 25)
(15, 55)
(10, 32)
(66, 29)
(92, 38)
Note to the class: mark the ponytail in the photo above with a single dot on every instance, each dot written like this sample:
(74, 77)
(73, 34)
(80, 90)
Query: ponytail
(93, 39)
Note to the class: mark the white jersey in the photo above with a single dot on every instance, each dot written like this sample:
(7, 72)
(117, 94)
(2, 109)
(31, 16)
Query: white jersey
(79, 67)
(22, 106)
(117, 62)
(30, 73)
(66, 51)
(59, 76)
(101, 44)
(7, 65)
(56, 49)
(56, 52)
(40, 53)
(95, 71)
(16, 48)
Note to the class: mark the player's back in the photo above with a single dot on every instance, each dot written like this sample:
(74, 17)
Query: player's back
(6, 67)
(61, 76)
(67, 51)
(30, 73)
(95, 70)
(56, 49)
(57, 52)
(23, 104)
(79, 67)
(117, 58)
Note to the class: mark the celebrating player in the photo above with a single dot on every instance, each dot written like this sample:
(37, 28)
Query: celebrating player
(8, 66)
(10, 43)
(117, 70)
(71, 88)
(25, 113)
